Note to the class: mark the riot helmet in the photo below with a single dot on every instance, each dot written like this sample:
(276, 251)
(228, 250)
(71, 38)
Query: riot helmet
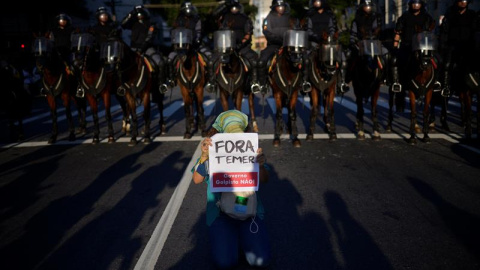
(461, 4)
(280, 6)
(63, 20)
(416, 5)
(141, 13)
(367, 6)
(317, 4)
(102, 14)
(188, 9)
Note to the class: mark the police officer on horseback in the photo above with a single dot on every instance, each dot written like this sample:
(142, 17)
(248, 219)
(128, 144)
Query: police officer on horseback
(231, 15)
(188, 17)
(275, 25)
(415, 19)
(143, 34)
(320, 20)
(457, 41)
(61, 37)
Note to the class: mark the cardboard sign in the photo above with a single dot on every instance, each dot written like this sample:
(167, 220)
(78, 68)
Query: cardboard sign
(233, 162)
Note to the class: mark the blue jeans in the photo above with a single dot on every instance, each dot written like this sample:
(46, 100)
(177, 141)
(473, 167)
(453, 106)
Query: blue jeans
(227, 235)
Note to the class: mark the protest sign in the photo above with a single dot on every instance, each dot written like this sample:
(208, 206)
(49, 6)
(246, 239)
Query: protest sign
(232, 162)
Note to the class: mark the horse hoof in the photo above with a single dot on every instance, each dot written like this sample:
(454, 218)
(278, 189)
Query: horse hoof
(361, 135)
(388, 129)
(297, 143)
(309, 138)
(95, 141)
(163, 129)
(187, 135)
(276, 143)
(147, 140)
(132, 142)
(254, 126)
(111, 140)
(427, 140)
(412, 141)
(71, 137)
(376, 136)
(333, 137)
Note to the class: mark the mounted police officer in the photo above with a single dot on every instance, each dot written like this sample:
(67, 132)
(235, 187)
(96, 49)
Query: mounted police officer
(275, 25)
(457, 40)
(61, 37)
(232, 16)
(321, 20)
(367, 24)
(415, 19)
(188, 18)
(143, 33)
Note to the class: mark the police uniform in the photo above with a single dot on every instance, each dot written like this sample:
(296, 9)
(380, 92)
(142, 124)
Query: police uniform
(61, 37)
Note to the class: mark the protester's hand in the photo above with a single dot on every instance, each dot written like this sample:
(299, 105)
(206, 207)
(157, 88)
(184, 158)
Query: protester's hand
(261, 159)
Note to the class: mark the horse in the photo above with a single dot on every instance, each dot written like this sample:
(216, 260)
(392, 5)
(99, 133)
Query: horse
(369, 71)
(285, 77)
(58, 81)
(421, 81)
(472, 81)
(133, 73)
(16, 101)
(232, 74)
(95, 81)
(323, 74)
(190, 67)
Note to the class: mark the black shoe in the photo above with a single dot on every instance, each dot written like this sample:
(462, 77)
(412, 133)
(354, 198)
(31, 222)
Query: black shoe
(121, 91)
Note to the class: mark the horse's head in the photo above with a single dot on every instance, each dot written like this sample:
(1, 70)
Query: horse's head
(295, 42)
(370, 51)
(424, 45)
(113, 51)
(81, 44)
(328, 55)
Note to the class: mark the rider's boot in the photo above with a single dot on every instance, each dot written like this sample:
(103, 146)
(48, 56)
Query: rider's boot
(121, 90)
(163, 80)
(255, 88)
(211, 85)
(80, 92)
(306, 86)
(262, 77)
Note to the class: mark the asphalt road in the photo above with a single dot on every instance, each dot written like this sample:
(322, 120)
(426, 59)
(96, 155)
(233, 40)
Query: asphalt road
(346, 204)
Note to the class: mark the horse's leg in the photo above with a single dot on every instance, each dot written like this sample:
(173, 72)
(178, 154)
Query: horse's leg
(376, 125)
(146, 117)
(68, 112)
(130, 99)
(200, 110)
(292, 117)
(224, 100)
(126, 127)
(443, 116)
(391, 96)
(53, 113)
(313, 114)
(187, 107)
(81, 104)
(161, 121)
(92, 101)
(413, 118)
(426, 115)
(466, 101)
(108, 115)
(359, 123)
(251, 107)
(279, 119)
(332, 131)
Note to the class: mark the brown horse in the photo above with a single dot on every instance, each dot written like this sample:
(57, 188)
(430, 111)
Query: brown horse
(190, 67)
(232, 75)
(58, 80)
(285, 76)
(133, 72)
(422, 77)
(323, 74)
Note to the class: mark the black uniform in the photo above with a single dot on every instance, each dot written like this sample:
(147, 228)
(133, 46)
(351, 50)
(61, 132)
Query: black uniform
(61, 38)
(457, 39)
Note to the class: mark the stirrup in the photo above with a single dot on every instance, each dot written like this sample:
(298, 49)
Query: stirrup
(343, 88)
(44, 92)
(264, 89)
(255, 88)
(396, 87)
(210, 87)
(121, 91)
(446, 92)
(437, 86)
(306, 87)
(80, 92)
(163, 88)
